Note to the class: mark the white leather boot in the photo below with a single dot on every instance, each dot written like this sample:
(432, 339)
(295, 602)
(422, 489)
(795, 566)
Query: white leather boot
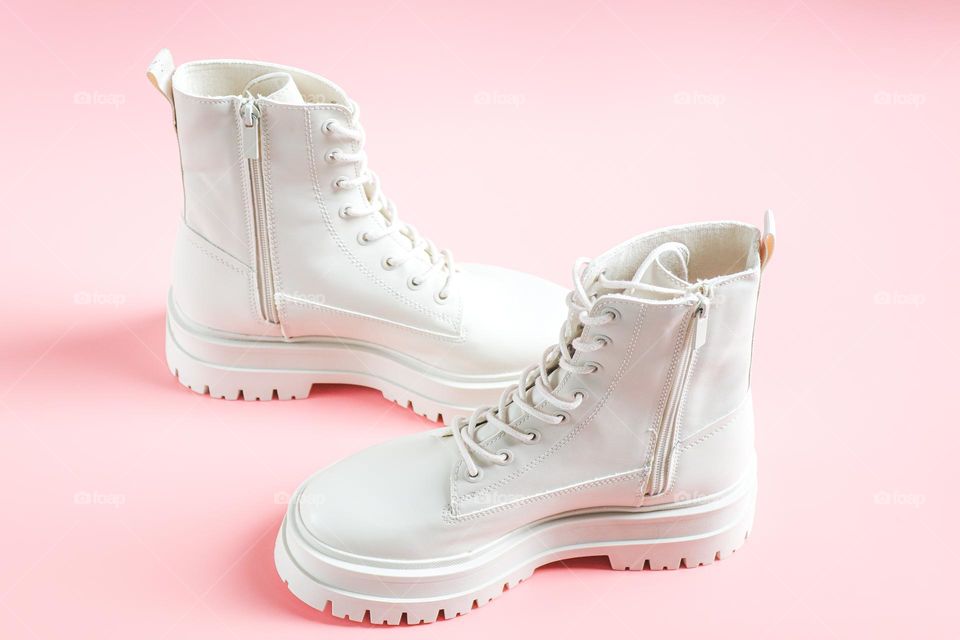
(631, 439)
(291, 266)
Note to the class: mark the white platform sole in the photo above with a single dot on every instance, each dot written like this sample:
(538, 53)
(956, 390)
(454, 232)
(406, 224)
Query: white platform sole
(390, 592)
(232, 367)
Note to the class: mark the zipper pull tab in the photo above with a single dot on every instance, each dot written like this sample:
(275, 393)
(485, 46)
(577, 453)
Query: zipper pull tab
(700, 317)
(250, 114)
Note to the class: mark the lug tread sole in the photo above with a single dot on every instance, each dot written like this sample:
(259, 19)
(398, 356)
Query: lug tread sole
(431, 411)
(636, 558)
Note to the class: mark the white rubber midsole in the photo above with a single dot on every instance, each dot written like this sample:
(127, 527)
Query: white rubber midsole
(230, 366)
(657, 539)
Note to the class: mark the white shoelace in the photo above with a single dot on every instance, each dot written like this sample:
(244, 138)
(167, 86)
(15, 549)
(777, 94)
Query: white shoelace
(537, 376)
(440, 261)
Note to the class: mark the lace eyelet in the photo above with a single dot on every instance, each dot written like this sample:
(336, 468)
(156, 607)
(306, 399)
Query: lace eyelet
(338, 183)
(413, 283)
(331, 156)
(562, 416)
(594, 366)
(327, 127)
(441, 298)
(345, 211)
(534, 436)
(577, 396)
(475, 478)
(363, 238)
(612, 312)
(507, 456)
(388, 264)
(604, 341)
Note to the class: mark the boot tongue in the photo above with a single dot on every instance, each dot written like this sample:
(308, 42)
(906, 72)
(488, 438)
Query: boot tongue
(665, 266)
(277, 86)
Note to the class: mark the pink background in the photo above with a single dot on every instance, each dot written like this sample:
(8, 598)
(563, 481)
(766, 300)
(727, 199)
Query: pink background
(525, 136)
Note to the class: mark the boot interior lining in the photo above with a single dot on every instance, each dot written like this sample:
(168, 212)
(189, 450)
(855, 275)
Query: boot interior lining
(226, 79)
(716, 249)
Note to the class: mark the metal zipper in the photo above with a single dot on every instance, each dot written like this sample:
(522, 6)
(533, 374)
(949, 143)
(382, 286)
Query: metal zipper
(250, 114)
(694, 338)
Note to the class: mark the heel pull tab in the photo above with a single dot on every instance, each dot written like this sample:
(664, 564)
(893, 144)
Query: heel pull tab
(767, 239)
(160, 75)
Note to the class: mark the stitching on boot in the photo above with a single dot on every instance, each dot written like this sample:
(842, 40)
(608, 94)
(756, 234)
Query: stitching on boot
(318, 197)
(638, 323)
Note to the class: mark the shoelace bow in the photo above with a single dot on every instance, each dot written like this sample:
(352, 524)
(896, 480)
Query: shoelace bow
(520, 394)
(441, 261)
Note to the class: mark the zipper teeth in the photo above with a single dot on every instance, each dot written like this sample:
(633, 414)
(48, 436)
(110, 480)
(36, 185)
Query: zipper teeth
(263, 243)
(669, 419)
(250, 115)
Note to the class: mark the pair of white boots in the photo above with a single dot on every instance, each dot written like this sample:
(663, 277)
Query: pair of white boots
(630, 436)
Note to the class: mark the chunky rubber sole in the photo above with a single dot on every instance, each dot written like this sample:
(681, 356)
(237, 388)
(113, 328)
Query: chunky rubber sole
(384, 591)
(232, 367)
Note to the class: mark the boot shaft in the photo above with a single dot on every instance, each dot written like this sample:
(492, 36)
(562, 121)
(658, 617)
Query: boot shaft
(701, 340)
(214, 134)
(690, 369)
(275, 179)
(666, 409)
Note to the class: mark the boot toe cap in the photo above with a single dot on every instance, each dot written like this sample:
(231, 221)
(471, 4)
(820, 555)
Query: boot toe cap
(509, 317)
(384, 502)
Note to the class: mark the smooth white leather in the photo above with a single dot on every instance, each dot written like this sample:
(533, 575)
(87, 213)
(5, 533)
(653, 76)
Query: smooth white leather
(214, 288)
(216, 190)
(411, 499)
